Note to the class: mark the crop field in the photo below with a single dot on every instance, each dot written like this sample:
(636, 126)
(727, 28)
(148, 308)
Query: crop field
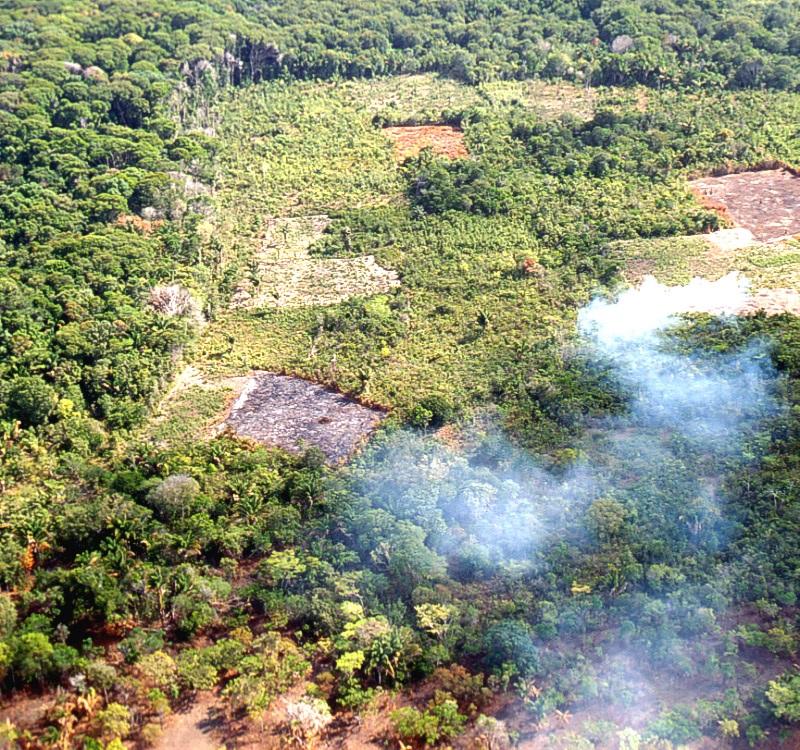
(294, 266)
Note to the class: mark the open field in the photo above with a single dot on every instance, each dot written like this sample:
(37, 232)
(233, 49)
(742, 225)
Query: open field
(772, 269)
(766, 202)
(764, 207)
(284, 275)
(422, 98)
(444, 140)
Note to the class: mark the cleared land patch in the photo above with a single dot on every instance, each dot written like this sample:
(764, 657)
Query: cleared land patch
(193, 406)
(445, 140)
(773, 269)
(421, 97)
(295, 414)
(772, 302)
(284, 275)
(765, 202)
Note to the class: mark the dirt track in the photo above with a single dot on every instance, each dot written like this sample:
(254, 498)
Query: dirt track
(190, 729)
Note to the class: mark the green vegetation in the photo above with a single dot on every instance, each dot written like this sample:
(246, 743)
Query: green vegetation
(565, 541)
(214, 43)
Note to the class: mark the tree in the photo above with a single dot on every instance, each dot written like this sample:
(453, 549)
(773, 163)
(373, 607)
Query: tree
(605, 518)
(511, 641)
(31, 400)
(784, 695)
(172, 496)
(8, 615)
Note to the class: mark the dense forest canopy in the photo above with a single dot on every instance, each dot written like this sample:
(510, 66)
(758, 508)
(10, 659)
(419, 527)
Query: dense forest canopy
(546, 525)
(729, 43)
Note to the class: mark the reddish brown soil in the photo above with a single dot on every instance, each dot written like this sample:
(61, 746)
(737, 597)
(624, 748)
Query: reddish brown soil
(191, 728)
(766, 202)
(443, 139)
(772, 302)
(143, 225)
(708, 202)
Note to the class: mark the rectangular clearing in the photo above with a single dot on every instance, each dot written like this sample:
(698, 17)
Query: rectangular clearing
(294, 414)
(766, 202)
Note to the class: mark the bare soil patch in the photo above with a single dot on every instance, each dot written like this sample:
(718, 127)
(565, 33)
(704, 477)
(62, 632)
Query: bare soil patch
(445, 140)
(295, 414)
(286, 276)
(191, 729)
(772, 302)
(25, 709)
(726, 241)
(766, 202)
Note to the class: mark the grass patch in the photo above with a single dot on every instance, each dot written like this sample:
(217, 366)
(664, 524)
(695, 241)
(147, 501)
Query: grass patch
(670, 259)
(676, 260)
(428, 98)
(190, 414)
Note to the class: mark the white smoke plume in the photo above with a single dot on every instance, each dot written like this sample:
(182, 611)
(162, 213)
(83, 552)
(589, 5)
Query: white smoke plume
(700, 395)
(689, 413)
(638, 313)
(704, 403)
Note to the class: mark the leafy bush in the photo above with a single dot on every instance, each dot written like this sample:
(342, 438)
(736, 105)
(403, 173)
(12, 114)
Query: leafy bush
(784, 696)
(440, 721)
(676, 726)
(437, 411)
(467, 689)
(511, 641)
(140, 642)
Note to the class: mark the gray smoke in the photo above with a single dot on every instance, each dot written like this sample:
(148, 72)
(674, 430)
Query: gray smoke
(655, 471)
(704, 403)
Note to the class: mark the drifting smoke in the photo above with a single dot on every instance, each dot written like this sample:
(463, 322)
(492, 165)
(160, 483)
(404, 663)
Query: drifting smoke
(657, 467)
(703, 397)
(639, 313)
(511, 507)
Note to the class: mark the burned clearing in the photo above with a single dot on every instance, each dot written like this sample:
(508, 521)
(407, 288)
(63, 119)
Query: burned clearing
(294, 414)
(285, 275)
(445, 140)
(766, 202)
